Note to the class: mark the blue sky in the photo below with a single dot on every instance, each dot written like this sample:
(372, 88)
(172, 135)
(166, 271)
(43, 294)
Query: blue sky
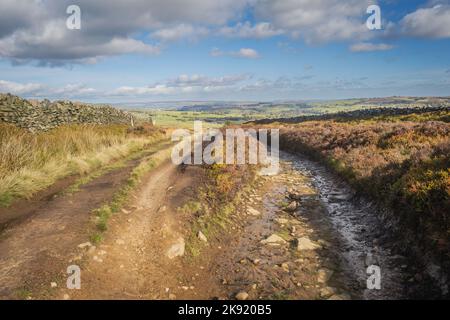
(130, 51)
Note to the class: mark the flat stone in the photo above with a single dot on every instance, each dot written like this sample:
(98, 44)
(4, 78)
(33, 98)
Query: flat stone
(253, 211)
(340, 297)
(274, 239)
(202, 237)
(285, 266)
(281, 220)
(84, 245)
(327, 292)
(177, 249)
(242, 296)
(304, 244)
(323, 275)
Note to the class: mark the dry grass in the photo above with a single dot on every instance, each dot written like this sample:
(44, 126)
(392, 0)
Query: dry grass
(31, 162)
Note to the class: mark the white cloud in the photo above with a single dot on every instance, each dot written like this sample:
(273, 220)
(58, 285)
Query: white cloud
(41, 90)
(73, 90)
(368, 47)
(156, 90)
(317, 21)
(54, 43)
(216, 52)
(431, 22)
(247, 53)
(246, 30)
(180, 32)
(184, 84)
(36, 31)
(19, 88)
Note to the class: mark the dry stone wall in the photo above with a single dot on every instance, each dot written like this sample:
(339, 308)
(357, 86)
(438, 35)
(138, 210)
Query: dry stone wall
(45, 115)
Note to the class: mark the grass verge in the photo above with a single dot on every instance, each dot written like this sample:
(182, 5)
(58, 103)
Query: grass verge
(32, 162)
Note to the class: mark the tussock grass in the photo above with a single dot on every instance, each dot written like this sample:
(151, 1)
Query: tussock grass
(31, 162)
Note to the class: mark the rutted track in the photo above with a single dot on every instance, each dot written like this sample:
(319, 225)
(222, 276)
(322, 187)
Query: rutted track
(366, 239)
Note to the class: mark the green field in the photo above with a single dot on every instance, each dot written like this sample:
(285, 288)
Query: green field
(219, 114)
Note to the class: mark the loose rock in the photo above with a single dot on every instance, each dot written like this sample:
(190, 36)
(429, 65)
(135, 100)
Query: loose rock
(253, 211)
(323, 275)
(327, 292)
(202, 237)
(242, 295)
(177, 249)
(340, 297)
(305, 243)
(295, 196)
(274, 240)
(291, 207)
(84, 245)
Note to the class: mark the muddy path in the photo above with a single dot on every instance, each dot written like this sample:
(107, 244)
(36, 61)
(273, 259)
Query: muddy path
(132, 262)
(330, 236)
(264, 252)
(298, 234)
(40, 236)
(136, 260)
(366, 236)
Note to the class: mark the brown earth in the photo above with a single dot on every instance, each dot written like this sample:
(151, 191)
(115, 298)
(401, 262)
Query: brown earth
(132, 261)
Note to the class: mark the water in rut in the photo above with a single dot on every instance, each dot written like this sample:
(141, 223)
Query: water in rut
(363, 238)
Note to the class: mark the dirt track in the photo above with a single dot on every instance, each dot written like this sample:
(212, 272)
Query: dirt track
(42, 234)
(132, 260)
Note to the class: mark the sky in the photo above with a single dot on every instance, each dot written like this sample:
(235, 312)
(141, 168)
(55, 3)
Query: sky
(234, 50)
